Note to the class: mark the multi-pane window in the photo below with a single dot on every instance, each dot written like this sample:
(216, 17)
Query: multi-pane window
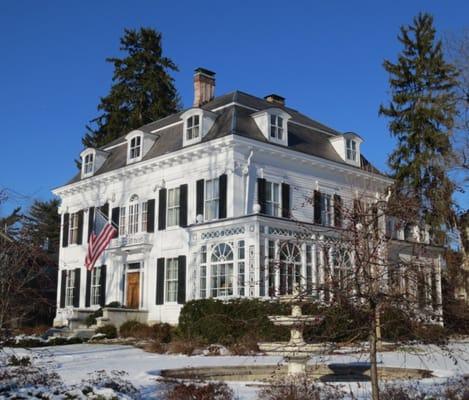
(203, 272)
(144, 216)
(69, 287)
(221, 280)
(174, 206)
(351, 149)
(276, 127)
(122, 221)
(88, 164)
(241, 268)
(272, 199)
(96, 286)
(193, 127)
(133, 216)
(73, 233)
(135, 147)
(212, 199)
(326, 209)
(171, 279)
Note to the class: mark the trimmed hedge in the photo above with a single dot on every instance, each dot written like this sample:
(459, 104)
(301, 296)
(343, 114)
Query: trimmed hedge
(109, 330)
(245, 320)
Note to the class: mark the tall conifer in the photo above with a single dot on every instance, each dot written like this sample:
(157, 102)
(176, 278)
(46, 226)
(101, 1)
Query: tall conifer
(142, 91)
(421, 117)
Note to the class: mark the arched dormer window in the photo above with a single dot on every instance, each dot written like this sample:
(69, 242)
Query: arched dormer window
(273, 124)
(91, 161)
(348, 147)
(197, 122)
(138, 143)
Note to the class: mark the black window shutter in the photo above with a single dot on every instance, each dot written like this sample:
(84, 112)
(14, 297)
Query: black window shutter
(80, 227)
(88, 289)
(181, 279)
(63, 284)
(200, 197)
(90, 221)
(65, 230)
(151, 215)
(160, 281)
(285, 200)
(222, 192)
(105, 210)
(317, 206)
(261, 182)
(102, 286)
(337, 211)
(162, 210)
(76, 291)
(115, 216)
(183, 205)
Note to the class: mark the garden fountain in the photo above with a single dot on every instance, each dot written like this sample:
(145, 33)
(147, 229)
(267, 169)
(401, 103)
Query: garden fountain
(296, 352)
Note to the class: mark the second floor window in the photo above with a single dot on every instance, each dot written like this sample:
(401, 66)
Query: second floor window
(173, 207)
(276, 127)
(272, 199)
(122, 221)
(133, 216)
(351, 149)
(144, 216)
(193, 127)
(212, 199)
(135, 147)
(73, 234)
(326, 209)
(88, 164)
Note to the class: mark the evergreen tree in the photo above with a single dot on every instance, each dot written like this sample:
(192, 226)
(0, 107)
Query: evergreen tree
(422, 115)
(41, 227)
(142, 90)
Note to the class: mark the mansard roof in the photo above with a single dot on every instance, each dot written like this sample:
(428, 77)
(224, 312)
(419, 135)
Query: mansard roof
(234, 111)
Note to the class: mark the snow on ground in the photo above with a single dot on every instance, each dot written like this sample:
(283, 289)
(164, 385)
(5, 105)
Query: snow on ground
(74, 362)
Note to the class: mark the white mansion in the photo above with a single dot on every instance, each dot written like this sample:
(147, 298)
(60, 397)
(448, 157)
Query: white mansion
(202, 199)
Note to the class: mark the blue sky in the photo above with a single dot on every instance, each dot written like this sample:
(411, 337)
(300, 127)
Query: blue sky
(324, 57)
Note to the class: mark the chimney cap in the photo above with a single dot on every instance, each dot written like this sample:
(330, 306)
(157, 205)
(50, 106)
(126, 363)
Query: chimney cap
(275, 98)
(204, 71)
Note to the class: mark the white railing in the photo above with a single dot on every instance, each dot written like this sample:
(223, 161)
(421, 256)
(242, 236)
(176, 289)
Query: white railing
(130, 240)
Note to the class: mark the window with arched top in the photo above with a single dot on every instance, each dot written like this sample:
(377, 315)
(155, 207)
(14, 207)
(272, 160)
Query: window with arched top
(290, 267)
(133, 215)
(222, 262)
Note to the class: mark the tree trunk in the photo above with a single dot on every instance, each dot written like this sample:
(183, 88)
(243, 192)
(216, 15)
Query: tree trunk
(373, 362)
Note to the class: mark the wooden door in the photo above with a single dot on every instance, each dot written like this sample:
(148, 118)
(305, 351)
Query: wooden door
(133, 289)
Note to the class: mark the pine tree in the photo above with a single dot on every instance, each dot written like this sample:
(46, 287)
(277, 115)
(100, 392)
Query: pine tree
(142, 90)
(422, 115)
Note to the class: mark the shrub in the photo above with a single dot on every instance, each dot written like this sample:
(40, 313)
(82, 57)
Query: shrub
(162, 332)
(108, 330)
(114, 380)
(91, 319)
(180, 346)
(215, 321)
(299, 388)
(114, 304)
(452, 389)
(134, 329)
(19, 361)
(155, 346)
(246, 345)
(209, 391)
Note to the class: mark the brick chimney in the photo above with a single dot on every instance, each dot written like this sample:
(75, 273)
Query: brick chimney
(204, 86)
(275, 99)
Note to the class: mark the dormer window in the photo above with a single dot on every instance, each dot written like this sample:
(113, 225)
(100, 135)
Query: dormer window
(197, 123)
(91, 161)
(88, 164)
(273, 123)
(193, 127)
(135, 148)
(276, 127)
(351, 150)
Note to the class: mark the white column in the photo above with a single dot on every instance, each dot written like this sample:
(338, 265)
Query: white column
(277, 268)
(266, 267)
(321, 269)
(303, 268)
(314, 276)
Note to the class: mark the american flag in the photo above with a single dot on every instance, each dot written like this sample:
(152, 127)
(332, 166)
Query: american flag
(102, 233)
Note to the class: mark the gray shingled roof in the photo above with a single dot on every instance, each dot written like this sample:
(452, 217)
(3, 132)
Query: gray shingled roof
(312, 139)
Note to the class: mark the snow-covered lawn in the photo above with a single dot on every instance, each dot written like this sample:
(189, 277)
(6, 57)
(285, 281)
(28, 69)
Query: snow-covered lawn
(74, 362)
